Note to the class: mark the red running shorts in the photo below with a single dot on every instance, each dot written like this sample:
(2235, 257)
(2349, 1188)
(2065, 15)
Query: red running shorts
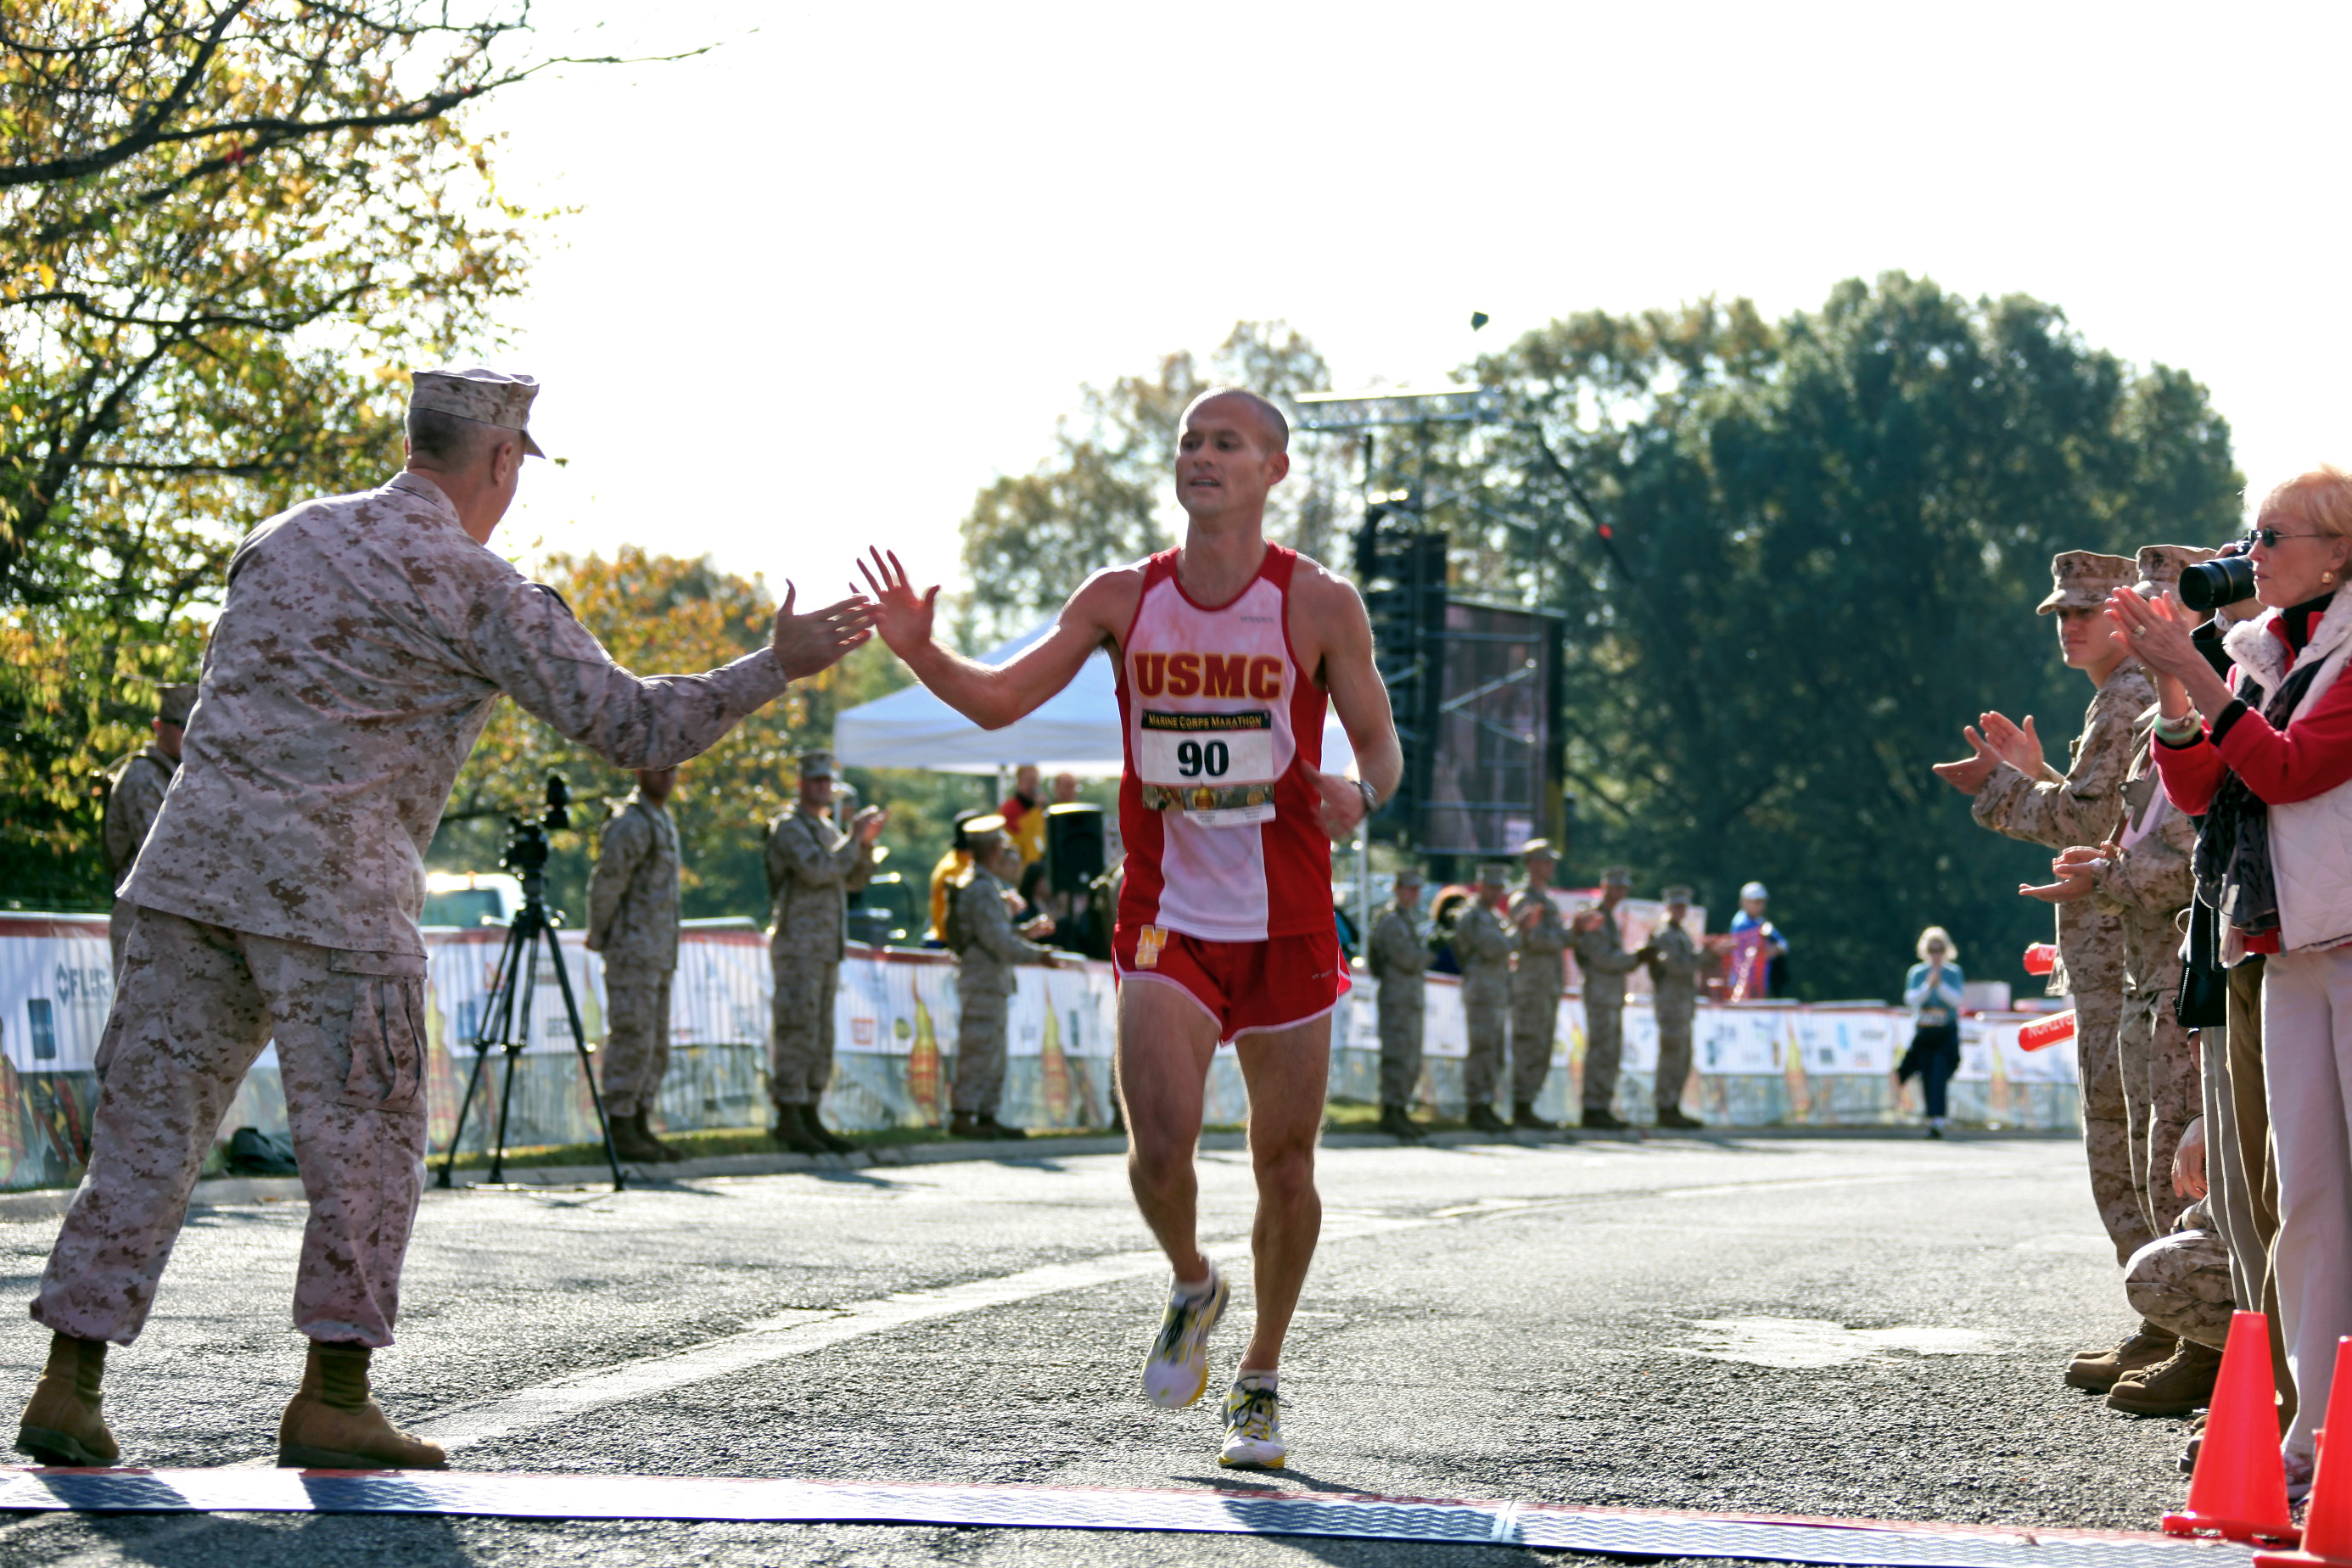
(1242, 986)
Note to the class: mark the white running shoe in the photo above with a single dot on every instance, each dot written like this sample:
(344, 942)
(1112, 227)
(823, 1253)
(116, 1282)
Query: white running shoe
(1253, 1428)
(1176, 1372)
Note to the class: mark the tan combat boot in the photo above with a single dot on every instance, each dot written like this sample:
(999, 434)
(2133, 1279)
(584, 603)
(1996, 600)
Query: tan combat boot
(2175, 1386)
(631, 1143)
(669, 1152)
(2098, 1370)
(61, 1423)
(332, 1425)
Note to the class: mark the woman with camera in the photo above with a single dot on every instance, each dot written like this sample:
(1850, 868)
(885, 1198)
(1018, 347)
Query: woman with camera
(2265, 756)
(1933, 992)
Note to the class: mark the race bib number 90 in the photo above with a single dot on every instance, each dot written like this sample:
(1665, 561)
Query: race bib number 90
(1217, 768)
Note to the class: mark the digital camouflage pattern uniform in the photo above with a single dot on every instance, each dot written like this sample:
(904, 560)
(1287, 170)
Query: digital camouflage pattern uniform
(632, 921)
(135, 794)
(1601, 959)
(1675, 964)
(1536, 984)
(1483, 946)
(2147, 887)
(1399, 960)
(2084, 808)
(363, 642)
(2180, 1282)
(812, 868)
(984, 984)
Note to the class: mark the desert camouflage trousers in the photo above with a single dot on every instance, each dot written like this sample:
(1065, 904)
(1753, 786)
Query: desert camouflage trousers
(1604, 1047)
(979, 1051)
(1674, 1057)
(1488, 1021)
(2161, 1095)
(636, 1038)
(1535, 1025)
(1403, 1019)
(800, 1043)
(193, 1007)
(2106, 1123)
(2181, 1282)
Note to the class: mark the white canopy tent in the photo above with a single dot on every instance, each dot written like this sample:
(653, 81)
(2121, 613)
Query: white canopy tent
(1075, 732)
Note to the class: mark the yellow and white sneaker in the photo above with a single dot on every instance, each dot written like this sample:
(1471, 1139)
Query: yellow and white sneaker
(1176, 1372)
(1254, 1425)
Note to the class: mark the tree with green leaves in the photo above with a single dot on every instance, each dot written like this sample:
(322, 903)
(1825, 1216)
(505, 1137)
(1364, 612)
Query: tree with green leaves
(1795, 558)
(229, 228)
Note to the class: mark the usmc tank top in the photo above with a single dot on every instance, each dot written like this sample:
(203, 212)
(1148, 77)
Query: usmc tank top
(1224, 733)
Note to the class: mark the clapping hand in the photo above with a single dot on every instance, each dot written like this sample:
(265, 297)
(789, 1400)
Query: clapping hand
(2073, 871)
(805, 645)
(2157, 634)
(1969, 774)
(867, 823)
(2019, 746)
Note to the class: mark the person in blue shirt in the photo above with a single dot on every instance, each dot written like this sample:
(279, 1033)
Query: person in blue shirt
(1932, 989)
(1761, 959)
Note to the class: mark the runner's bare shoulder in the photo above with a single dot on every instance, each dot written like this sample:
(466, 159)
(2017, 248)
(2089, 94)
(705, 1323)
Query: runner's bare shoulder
(1104, 605)
(1327, 618)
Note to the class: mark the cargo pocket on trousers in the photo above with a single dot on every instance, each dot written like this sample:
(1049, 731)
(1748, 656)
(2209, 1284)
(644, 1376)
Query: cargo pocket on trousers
(387, 1069)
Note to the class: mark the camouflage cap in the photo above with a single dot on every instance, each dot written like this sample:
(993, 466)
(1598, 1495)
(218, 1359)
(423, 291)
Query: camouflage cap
(485, 396)
(1616, 876)
(1677, 894)
(173, 704)
(2082, 580)
(1535, 846)
(2160, 565)
(1408, 876)
(816, 765)
(1494, 874)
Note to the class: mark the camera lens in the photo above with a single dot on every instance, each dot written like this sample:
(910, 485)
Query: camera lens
(2209, 584)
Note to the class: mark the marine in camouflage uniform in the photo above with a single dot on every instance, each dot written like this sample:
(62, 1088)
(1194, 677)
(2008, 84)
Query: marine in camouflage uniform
(987, 949)
(1536, 982)
(632, 921)
(2181, 1282)
(812, 868)
(1600, 958)
(362, 643)
(1675, 963)
(1483, 945)
(135, 794)
(1399, 961)
(2082, 806)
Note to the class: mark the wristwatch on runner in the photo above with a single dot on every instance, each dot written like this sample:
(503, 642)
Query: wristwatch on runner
(1372, 796)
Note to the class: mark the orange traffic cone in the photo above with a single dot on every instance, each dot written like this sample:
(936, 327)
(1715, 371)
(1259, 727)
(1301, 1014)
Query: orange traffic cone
(2239, 1492)
(2327, 1526)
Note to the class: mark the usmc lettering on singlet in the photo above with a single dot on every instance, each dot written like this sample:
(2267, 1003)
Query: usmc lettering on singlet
(1258, 678)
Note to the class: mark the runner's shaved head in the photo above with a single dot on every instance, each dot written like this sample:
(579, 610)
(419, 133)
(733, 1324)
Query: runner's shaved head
(1274, 426)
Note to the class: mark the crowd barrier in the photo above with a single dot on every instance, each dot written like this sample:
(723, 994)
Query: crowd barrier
(1755, 1064)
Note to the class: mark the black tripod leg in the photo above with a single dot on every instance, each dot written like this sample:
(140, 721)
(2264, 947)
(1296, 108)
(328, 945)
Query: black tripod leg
(517, 1037)
(587, 1067)
(485, 1032)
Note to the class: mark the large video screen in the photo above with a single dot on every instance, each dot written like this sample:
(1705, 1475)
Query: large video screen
(1490, 776)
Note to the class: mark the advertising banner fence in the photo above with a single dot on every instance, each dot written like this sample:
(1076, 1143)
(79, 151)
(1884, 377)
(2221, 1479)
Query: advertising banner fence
(894, 1016)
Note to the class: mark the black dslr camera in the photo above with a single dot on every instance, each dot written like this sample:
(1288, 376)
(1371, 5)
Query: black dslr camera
(2225, 580)
(526, 850)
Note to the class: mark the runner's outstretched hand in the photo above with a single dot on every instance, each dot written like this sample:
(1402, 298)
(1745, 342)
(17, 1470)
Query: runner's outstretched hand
(903, 616)
(805, 645)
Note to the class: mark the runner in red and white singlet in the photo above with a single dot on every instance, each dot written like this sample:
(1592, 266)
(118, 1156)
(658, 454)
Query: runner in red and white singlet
(1228, 886)
(1228, 648)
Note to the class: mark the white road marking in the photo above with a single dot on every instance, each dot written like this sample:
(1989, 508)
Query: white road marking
(1817, 1342)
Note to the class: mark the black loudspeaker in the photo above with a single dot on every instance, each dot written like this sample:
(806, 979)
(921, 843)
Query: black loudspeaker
(1073, 845)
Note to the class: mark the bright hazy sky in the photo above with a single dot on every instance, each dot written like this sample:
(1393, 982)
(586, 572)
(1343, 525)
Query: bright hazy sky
(831, 277)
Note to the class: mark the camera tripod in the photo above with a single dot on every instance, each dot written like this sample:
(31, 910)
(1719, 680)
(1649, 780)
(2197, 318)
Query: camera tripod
(505, 1025)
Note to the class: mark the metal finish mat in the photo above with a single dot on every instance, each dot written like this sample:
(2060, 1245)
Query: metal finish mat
(1616, 1532)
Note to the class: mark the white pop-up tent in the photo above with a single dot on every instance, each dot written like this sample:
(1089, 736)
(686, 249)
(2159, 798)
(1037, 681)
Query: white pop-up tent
(1074, 731)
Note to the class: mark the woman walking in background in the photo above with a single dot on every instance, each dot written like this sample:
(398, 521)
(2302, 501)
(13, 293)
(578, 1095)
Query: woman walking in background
(1932, 992)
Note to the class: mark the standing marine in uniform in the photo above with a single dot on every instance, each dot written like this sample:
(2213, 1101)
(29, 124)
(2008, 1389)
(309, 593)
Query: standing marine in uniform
(2019, 794)
(986, 948)
(1483, 945)
(362, 643)
(1675, 963)
(632, 921)
(1398, 958)
(2139, 873)
(1536, 984)
(1599, 944)
(812, 868)
(134, 794)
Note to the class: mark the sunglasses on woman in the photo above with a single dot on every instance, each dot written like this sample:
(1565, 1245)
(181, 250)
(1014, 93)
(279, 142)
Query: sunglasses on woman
(2268, 538)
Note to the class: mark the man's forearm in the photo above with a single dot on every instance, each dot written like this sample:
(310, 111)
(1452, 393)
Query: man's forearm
(974, 690)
